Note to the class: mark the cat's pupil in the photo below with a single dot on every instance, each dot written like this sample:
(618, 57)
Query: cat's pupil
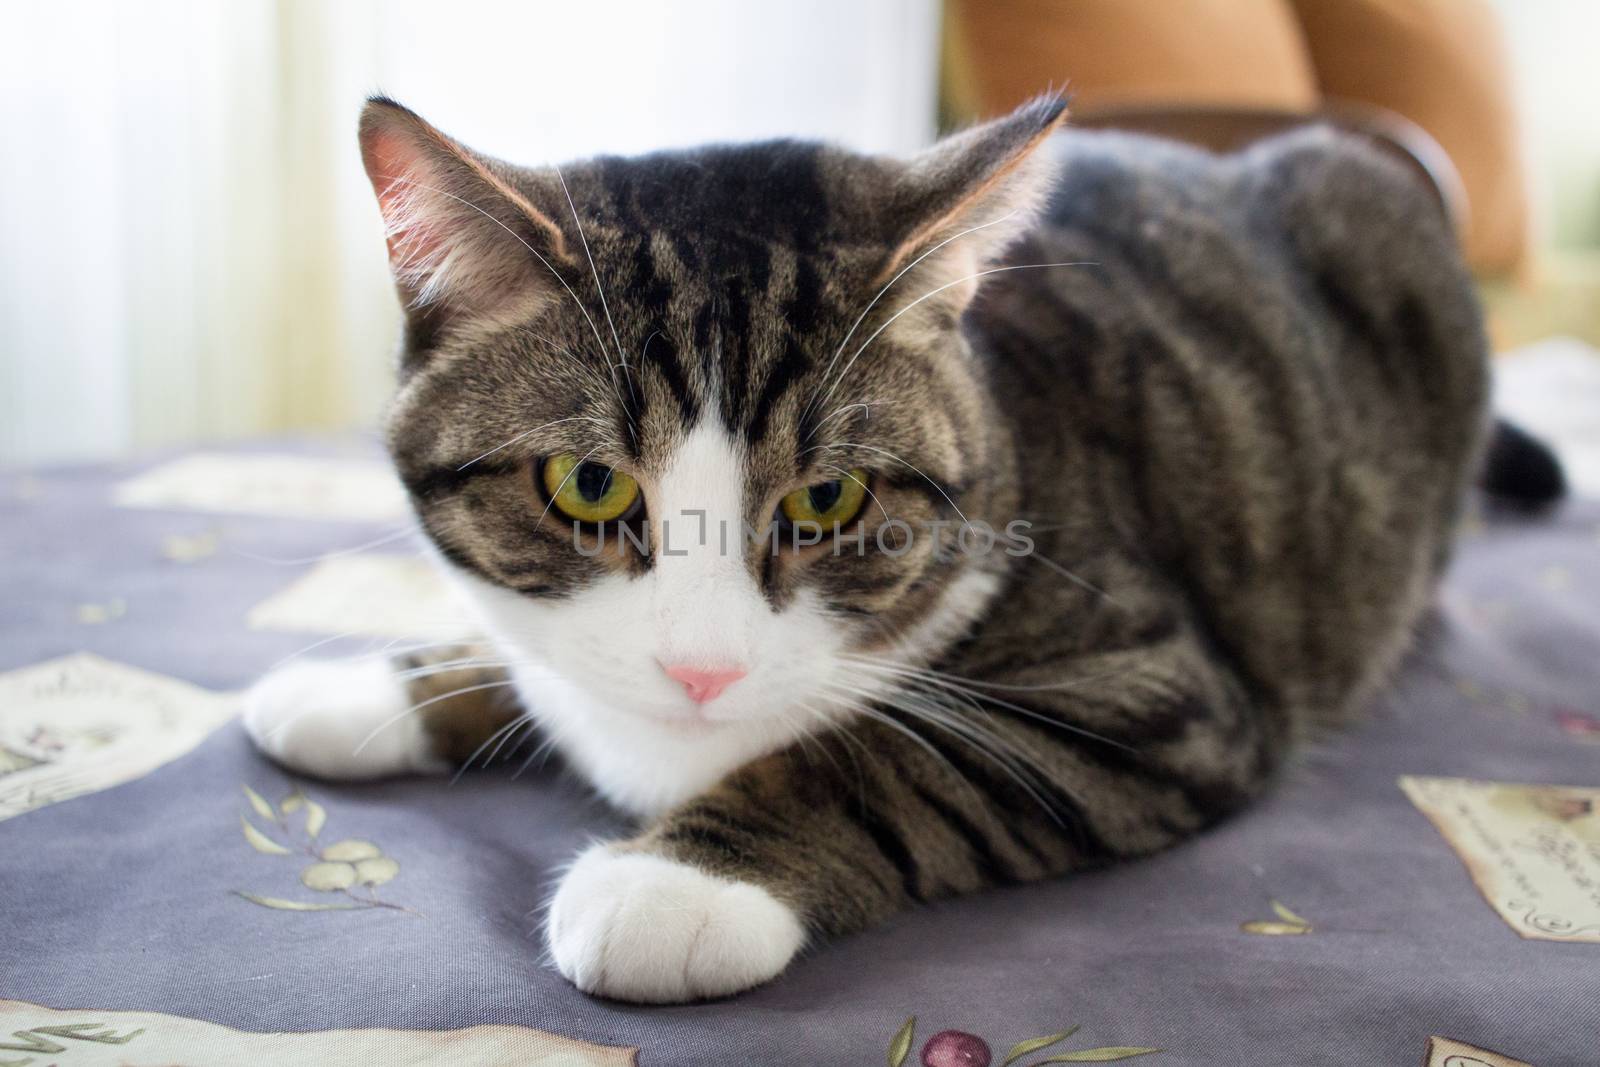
(592, 481)
(825, 495)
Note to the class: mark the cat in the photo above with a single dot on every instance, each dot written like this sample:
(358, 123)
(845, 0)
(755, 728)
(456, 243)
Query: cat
(1071, 479)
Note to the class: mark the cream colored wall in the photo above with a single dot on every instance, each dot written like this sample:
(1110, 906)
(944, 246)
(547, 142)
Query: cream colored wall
(190, 249)
(1557, 70)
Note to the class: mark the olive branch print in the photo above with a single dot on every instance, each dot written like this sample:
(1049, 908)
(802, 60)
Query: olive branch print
(40, 1040)
(353, 867)
(956, 1048)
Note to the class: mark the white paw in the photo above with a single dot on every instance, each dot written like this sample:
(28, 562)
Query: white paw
(642, 928)
(339, 719)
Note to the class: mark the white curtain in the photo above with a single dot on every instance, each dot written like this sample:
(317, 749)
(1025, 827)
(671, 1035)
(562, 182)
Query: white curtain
(188, 248)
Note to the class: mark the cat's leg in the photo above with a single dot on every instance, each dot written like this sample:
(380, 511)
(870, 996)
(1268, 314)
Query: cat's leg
(379, 716)
(719, 894)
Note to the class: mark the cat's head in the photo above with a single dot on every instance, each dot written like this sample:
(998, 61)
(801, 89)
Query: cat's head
(712, 354)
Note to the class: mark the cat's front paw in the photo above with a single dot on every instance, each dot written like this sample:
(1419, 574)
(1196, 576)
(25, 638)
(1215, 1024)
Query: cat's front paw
(339, 719)
(642, 928)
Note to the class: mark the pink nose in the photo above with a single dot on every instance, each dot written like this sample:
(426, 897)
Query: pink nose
(701, 684)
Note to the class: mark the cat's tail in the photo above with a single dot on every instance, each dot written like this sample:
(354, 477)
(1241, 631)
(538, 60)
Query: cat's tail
(1520, 469)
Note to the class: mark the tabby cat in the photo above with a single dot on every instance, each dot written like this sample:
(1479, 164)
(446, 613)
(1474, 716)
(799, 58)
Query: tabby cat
(877, 530)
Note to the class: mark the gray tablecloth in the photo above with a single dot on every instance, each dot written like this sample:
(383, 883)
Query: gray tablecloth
(127, 899)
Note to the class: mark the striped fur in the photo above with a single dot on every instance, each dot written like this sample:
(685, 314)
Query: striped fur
(1241, 432)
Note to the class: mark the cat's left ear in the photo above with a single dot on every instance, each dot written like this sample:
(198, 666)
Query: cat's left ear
(961, 203)
(463, 239)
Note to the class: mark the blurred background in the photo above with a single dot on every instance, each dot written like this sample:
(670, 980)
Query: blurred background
(191, 253)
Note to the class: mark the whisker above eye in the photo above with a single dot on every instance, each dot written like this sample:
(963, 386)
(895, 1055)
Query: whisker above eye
(890, 284)
(528, 433)
(932, 293)
(622, 355)
(897, 459)
(575, 468)
(864, 486)
(515, 235)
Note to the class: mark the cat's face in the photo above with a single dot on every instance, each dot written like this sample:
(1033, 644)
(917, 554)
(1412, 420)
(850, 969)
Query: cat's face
(687, 426)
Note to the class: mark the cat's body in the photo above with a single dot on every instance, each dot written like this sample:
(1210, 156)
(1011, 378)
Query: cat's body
(1239, 425)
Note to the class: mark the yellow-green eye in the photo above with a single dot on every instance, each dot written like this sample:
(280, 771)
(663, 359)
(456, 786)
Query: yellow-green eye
(827, 503)
(588, 492)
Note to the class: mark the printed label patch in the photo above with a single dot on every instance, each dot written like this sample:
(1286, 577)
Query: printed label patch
(1532, 850)
(80, 724)
(1443, 1052)
(370, 594)
(150, 1039)
(301, 487)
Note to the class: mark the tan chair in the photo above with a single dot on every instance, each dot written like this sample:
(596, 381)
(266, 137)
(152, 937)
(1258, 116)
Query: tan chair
(1220, 72)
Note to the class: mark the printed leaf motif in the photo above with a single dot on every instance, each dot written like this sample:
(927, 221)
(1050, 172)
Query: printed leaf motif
(351, 850)
(316, 814)
(260, 841)
(328, 877)
(1023, 1048)
(186, 548)
(77, 1032)
(900, 1047)
(335, 869)
(1289, 923)
(376, 871)
(34, 1044)
(293, 905)
(92, 614)
(1099, 1055)
(1288, 916)
(1578, 725)
(259, 803)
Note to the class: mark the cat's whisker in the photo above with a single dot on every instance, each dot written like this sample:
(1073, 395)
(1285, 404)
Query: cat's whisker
(1003, 750)
(929, 672)
(644, 350)
(921, 742)
(575, 468)
(1008, 705)
(524, 724)
(890, 285)
(450, 666)
(500, 734)
(330, 639)
(834, 386)
(832, 728)
(962, 730)
(587, 370)
(884, 451)
(543, 748)
(526, 434)
(515, 235)
(398, 535)
(1071, 577)
(867, 488)
(413, 709)
(622, 354)
(800, 736)
(865, 406)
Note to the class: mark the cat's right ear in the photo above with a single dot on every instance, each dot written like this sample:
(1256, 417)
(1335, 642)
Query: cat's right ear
(461, 238)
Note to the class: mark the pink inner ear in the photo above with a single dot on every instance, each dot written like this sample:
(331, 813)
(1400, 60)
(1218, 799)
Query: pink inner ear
(389, 161)
(394, 166)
